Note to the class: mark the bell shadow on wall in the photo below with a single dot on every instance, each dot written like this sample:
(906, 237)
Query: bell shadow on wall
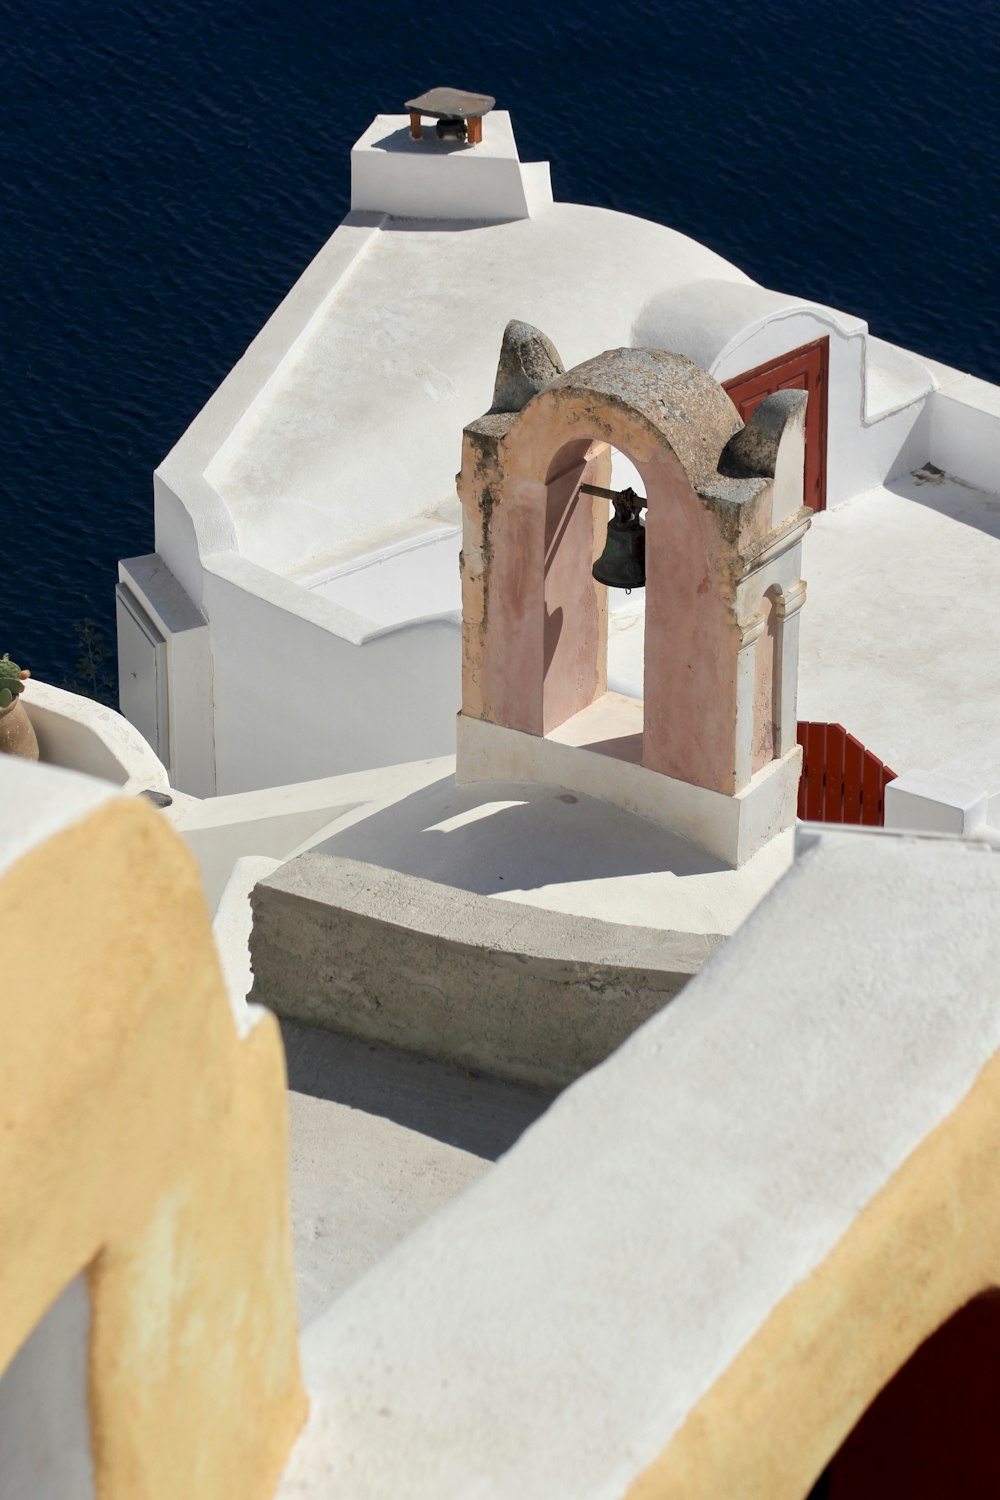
(553, 630)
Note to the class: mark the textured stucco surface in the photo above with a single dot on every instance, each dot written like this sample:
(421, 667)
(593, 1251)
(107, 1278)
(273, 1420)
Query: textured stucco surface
(379, 1140)
(549, 1333)
(142, 1141)
(901, 636)
(523, 994)
(424, 310)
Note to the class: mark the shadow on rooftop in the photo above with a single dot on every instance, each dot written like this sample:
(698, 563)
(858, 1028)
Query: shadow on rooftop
(496, 839)
(471, 1111)
(442, 226)
(950, 496)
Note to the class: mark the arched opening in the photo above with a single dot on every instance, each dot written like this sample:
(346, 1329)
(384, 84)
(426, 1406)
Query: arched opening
(931, 1432)
(577, 607)
(44, 1417)
(625, 475)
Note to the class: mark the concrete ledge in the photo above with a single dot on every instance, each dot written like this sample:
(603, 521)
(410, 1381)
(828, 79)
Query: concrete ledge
(965, 430)
(927, 802)
(519, 992)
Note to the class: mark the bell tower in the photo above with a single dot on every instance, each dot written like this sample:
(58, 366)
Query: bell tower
(710, 751)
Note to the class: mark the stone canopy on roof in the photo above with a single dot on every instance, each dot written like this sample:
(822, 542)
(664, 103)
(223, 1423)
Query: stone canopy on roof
(445, 102)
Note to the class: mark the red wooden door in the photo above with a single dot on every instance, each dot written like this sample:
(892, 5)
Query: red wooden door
(804, 369)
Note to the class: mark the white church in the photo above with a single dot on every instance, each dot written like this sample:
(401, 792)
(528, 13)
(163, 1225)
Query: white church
(565, 685)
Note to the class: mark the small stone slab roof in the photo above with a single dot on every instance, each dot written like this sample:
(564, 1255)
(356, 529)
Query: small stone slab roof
(442, 102)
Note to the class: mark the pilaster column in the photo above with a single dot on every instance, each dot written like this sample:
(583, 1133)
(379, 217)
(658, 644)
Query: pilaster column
(786, 608)
(746, 681)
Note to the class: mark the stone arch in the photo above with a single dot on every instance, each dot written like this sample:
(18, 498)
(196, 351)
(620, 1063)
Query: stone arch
(906, 1278)
(931, 1430)
(691, 638)
(519, 484)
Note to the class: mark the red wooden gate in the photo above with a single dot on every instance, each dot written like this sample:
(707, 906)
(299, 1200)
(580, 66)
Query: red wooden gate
(841, 781)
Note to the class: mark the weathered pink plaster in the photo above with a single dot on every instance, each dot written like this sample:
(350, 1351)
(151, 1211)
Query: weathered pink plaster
(765, 684)
(576, 605)
(691, 636)
(535, 622)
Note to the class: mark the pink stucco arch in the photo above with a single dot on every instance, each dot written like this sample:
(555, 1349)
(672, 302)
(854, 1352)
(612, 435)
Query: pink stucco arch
(535, 621)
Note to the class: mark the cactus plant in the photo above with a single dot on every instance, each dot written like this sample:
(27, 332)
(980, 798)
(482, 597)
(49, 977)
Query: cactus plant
(11, 680)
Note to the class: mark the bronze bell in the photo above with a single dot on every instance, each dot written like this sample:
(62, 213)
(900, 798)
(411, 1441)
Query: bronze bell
(452, 127)
(622, 564)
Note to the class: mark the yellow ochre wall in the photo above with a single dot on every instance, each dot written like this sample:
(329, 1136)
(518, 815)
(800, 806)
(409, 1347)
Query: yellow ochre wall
(144, 1141)
(924, 1246)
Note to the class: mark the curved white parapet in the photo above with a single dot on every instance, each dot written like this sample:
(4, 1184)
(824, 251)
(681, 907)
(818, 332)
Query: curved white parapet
(718, 322)
(80, 735)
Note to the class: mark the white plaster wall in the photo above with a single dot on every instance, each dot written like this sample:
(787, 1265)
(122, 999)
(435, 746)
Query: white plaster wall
(414, 578)
(432, 179)
(357, 435)
(338, 434)
(928, 802)
(44, 1423)
(859, 455)
(189, 748)
(674, 1195)
(288, 465)
(965, 431)
(875, 422)
(900, 634)
(39, 801)
(296, 702)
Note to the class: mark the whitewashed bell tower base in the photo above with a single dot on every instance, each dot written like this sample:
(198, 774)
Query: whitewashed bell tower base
(733, 828)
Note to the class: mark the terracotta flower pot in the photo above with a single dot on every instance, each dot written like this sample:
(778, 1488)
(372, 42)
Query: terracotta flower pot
(16, 734)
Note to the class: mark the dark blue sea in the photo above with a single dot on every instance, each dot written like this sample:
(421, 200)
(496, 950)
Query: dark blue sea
(170, 166)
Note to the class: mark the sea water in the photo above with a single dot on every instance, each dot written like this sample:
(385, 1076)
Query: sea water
(171, 166)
